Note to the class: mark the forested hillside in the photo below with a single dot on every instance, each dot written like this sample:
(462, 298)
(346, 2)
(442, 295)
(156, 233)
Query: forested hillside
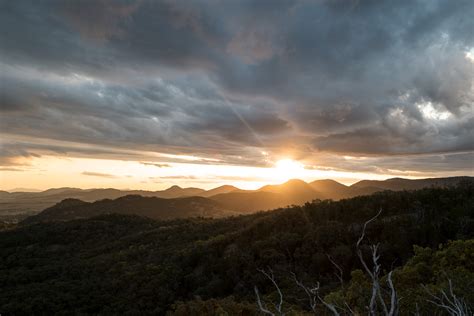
(121, 264)
(152, 207)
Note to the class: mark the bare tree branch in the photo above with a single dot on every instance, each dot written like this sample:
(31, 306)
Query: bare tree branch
(450, 303)
(309, 292)
(339, 269)
(393, 296)
(261, 305)
(349, 308)
(374, 274)
(362, 236)
(365, 226)
(313, 294)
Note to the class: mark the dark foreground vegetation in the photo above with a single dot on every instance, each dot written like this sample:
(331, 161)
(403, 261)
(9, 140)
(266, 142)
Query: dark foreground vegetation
(122, 264)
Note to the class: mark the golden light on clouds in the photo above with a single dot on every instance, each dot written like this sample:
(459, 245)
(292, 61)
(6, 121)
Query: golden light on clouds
(54, 171)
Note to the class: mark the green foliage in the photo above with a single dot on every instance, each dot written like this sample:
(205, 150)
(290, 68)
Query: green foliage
(429, 271)
(121, 264)
(424, 275)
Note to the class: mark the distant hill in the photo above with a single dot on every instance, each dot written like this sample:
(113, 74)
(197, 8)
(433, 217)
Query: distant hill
(398, 184)
(292, 192)
(152, 207)
(331, 189)
(24, 190)
(176, 191)
(252, 201)
(16, 206)
(4, 193)
(220, 190)
(293, 186)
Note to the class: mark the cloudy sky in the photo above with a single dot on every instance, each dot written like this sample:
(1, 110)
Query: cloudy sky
(145, 94)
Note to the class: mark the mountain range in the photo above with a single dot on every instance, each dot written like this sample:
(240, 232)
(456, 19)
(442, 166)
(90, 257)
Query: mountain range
(152, 207)
(177, 202)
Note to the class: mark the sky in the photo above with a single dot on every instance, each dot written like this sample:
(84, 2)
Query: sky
(147, 94)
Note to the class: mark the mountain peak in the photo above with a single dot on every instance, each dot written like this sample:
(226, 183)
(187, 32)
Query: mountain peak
(327, 183)
(330, 188)
(295, 182)
(174, 187)
(226, 188)
(290, 186)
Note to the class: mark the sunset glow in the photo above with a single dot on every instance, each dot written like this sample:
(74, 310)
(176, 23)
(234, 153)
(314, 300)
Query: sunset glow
(286, 169)
(52, 171)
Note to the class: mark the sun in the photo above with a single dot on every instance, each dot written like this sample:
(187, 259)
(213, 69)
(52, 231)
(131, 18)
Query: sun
(286, 169)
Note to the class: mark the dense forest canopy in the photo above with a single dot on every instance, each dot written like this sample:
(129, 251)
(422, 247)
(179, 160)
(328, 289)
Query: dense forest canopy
(123, 264)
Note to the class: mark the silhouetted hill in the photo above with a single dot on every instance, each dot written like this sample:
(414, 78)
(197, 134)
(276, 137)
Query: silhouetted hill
(4, 193)
(398, 184)
(292, 192)
(334, 190)
(293, 186)
(331, 189)
(295, 191)
(55, 191)
(176, 191)
(248, 202)
(15, 206)
(152, 207)
(18, 205)
(220, 190)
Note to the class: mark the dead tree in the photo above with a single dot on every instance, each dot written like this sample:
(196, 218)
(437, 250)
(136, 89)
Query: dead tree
(452, 304)
(313, 292)
(374, 274)
(314, 297)
(340, 273)
(261, 304)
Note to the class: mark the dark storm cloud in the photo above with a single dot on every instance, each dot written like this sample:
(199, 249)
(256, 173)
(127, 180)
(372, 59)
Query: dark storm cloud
(149, 117)
(11, 149)
(231, 79)
(99, 19)
(429, 165)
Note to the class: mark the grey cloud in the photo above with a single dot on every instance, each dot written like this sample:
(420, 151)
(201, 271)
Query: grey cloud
(9, 154)
(231, 79)
(148, 117)
(97, 20)
(252, 45)
(426, 164)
